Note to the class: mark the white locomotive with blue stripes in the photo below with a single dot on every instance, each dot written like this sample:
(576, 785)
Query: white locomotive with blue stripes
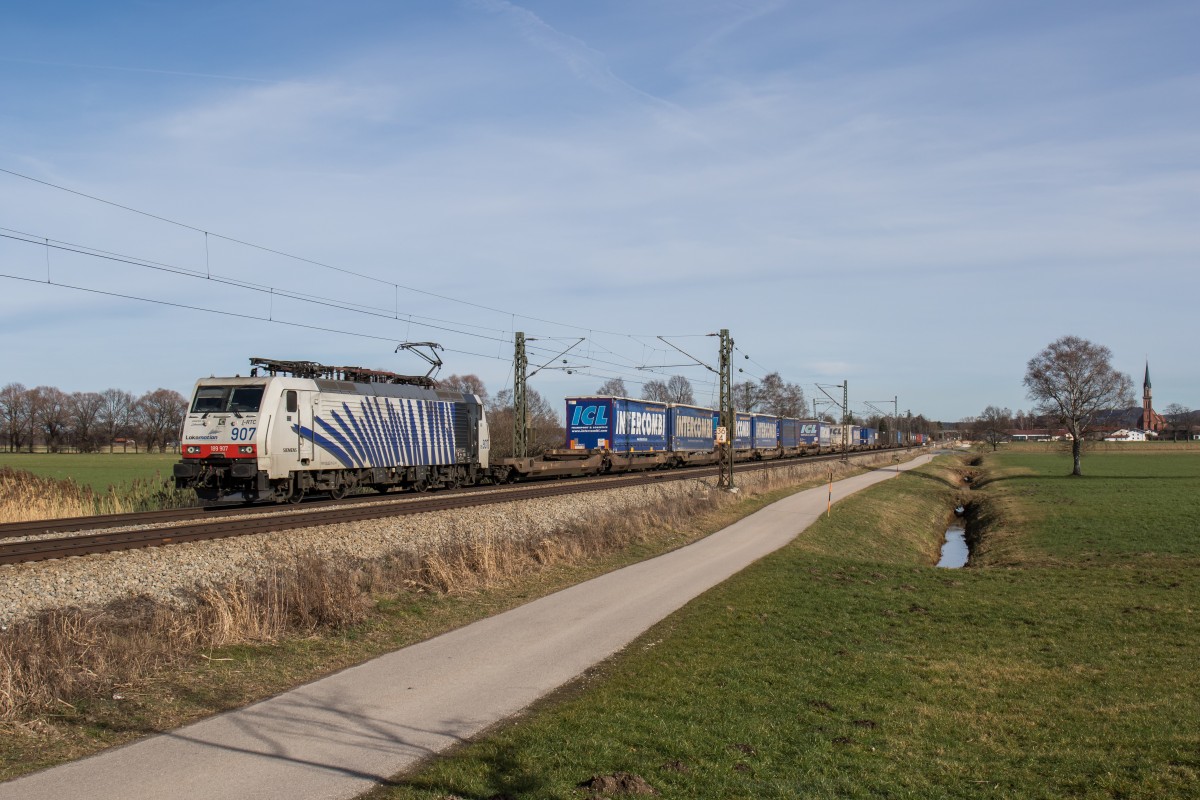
(303, 428)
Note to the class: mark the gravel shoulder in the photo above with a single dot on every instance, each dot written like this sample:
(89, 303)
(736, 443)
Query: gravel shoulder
(172, 573)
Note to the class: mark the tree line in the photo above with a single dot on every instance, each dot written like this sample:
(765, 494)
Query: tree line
(88, 422)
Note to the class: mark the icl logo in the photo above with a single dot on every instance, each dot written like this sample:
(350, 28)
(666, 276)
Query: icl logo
(590, 415)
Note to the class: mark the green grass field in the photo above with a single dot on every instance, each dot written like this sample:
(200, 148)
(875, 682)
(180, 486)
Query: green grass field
(1063, 663)
(95, 470)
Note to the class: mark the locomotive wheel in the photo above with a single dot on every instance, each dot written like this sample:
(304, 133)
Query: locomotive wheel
(296, 496)
(338, 491)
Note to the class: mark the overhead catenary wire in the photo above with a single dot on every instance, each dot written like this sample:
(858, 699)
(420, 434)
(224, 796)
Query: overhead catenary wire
(302, 259)
(138, 261)
(343, 305)
(270, 318)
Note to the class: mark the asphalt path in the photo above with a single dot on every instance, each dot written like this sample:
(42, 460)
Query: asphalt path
(343, 734)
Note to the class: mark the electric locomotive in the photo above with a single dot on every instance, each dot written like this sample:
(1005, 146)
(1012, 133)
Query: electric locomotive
(302, 428)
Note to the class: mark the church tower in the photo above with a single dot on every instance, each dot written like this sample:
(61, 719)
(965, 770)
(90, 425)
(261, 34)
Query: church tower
(1151, 421)
(1148, 414)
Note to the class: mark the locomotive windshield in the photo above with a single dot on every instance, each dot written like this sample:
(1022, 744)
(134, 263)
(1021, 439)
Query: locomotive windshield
(215, 399)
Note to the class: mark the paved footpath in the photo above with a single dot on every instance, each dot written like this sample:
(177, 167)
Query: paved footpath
(339, 736)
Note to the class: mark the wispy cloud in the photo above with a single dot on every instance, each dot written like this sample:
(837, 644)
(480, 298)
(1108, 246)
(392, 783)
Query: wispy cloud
(585, 62)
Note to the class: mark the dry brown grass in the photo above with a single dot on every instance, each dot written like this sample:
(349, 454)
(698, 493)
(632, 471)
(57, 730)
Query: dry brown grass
(65, 655)
(25, 496)
(71, 653)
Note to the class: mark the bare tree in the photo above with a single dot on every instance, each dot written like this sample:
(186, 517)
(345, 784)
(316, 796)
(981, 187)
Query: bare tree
(780, 398)
(679, 390)
(83, 411)
(467, 384)
(16, 416)
(656, 390)
(159, 415)
(613, 387)
(992, 426)
(49, 407)
(1180, 417)
(545, 431)
(115, 415)
(1074, 380)
(746, 396)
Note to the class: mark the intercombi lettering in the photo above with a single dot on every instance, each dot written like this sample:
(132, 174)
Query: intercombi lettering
(642, 423)
(694, 427)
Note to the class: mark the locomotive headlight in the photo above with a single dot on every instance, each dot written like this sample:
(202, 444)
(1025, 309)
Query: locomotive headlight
(193, 449)
(246, 449)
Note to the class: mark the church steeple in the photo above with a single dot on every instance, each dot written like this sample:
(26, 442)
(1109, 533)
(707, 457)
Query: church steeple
(1147, 406)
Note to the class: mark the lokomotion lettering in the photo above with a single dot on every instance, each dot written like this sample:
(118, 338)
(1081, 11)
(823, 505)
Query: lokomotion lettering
(641, 423)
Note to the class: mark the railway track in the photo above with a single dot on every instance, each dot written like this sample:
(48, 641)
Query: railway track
(198, 524)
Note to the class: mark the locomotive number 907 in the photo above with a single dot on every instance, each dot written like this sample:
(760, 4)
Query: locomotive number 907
(242, 434)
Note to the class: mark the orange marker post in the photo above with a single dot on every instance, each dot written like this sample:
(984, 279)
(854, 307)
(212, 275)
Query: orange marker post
(829, 502)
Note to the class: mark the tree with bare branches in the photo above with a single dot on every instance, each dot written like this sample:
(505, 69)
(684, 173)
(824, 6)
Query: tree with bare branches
(115, 415)
(545, 432)
(159, 416)
(746, 396)
(467, 384)
(50, 415)
(1073, 380)
(16, 416)
(679, 390)
(655, 390)
(778, 397)
(83, 413)
(992, 425)
(613, 387)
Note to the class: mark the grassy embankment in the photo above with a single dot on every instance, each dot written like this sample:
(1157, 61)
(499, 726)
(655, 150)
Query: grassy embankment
(1062, 663)
(77, 681)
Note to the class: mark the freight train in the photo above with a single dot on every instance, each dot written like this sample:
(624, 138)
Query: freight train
(301, 428)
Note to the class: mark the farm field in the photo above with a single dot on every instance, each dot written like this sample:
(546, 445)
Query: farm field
(1061, 663)
(96, 471)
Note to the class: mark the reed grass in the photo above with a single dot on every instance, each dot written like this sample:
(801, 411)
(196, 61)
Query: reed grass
(25, 496)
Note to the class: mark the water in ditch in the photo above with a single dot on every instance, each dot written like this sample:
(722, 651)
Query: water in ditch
(954, 551)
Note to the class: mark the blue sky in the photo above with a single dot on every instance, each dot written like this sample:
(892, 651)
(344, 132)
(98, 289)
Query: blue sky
(914, 197)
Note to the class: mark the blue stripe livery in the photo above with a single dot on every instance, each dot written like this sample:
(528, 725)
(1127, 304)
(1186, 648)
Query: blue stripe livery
(385, 432)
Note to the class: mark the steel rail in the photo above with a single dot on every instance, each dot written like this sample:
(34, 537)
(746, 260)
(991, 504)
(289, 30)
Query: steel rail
(42, 527)
(338, 513)
(87, 544)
